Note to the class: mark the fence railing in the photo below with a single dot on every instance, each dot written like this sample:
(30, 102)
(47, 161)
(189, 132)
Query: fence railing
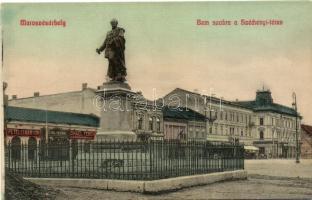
(128, 160)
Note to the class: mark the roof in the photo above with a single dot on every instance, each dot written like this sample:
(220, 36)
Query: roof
(55, 117)
(55, 94)
(182, 113)
(264, 102)
(212, 98)
(274, 107)
(307, 129)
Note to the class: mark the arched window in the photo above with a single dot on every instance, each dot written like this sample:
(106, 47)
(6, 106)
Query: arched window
(261, 135)
(32, 147)
(140, 122)
(158, 124)
(150, 123)
(16, 148)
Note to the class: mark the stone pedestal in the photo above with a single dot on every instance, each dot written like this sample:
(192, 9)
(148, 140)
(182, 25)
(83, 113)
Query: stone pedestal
(116, 112)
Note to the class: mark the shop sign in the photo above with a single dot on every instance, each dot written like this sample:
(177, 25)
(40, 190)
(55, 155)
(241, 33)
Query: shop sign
(58, 133)
(22, 132)
(76, 134)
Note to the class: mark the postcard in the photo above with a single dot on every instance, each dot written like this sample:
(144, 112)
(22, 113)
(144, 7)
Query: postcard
(157, 100)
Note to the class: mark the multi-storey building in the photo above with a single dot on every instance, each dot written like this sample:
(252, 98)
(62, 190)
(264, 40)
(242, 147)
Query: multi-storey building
(269, 126)
(226, 120)
(183, 123)
(261, 123)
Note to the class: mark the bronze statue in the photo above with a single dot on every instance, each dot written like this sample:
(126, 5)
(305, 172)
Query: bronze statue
(114, 45)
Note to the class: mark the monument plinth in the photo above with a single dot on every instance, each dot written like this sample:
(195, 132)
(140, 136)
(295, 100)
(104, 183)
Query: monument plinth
(117, 121)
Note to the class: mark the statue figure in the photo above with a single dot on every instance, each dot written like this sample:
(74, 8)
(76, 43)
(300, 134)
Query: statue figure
(114, 46)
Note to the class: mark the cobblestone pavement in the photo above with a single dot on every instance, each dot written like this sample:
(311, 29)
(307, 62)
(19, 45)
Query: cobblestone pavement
(269, 179)
(248, 189)
(284, 168)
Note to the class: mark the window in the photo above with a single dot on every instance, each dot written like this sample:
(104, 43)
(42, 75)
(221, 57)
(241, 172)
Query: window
(140, 122)
(231, 131)
(226, 116)
(16, 148)
(150, 123)
(261, 135)
(242, 133)
(261, 121)
(158, 124)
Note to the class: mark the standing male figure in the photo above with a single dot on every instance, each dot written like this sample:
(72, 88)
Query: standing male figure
(114, 46)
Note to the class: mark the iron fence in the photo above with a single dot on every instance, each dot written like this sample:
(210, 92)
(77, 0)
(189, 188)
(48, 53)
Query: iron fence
(127, 160)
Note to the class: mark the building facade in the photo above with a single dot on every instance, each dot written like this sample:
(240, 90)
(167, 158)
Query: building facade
(183, 124)
(81, 101)
(306, 141)
(35, 128)
(27, 125)
(260, 123)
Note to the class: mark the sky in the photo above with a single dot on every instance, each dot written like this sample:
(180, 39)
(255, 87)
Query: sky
(165, 49)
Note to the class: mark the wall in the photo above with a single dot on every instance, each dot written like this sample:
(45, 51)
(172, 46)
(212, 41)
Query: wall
(76, 102)
(306, 146)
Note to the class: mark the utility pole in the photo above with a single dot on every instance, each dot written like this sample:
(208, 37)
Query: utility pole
(4, 103)
(294, 104)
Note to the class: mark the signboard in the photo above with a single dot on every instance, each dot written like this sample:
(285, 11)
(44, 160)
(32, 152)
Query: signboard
(76, 134)
(22, 132)
(58, 133)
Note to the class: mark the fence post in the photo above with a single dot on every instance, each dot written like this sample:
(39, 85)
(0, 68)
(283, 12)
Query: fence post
(9, 154)
(71, 160)
(150, 158)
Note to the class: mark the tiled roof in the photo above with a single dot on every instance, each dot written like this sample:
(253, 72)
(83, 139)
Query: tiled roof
(307, 129)
(43, 116)
(182, 113)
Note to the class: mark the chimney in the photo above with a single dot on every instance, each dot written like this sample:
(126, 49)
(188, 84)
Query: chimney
(36, 94)
(14, 96)
(84, 86)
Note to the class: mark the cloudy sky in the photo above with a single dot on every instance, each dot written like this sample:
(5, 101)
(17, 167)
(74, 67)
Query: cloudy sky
(165, 48)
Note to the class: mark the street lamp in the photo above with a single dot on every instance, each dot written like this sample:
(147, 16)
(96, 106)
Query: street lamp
(294, 104)
(210, 118)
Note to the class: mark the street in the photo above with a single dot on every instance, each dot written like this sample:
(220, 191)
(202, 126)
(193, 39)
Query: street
(267, 179)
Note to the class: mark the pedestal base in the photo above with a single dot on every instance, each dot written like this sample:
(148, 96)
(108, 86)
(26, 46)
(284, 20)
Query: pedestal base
(115, 85)
(117, 119)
